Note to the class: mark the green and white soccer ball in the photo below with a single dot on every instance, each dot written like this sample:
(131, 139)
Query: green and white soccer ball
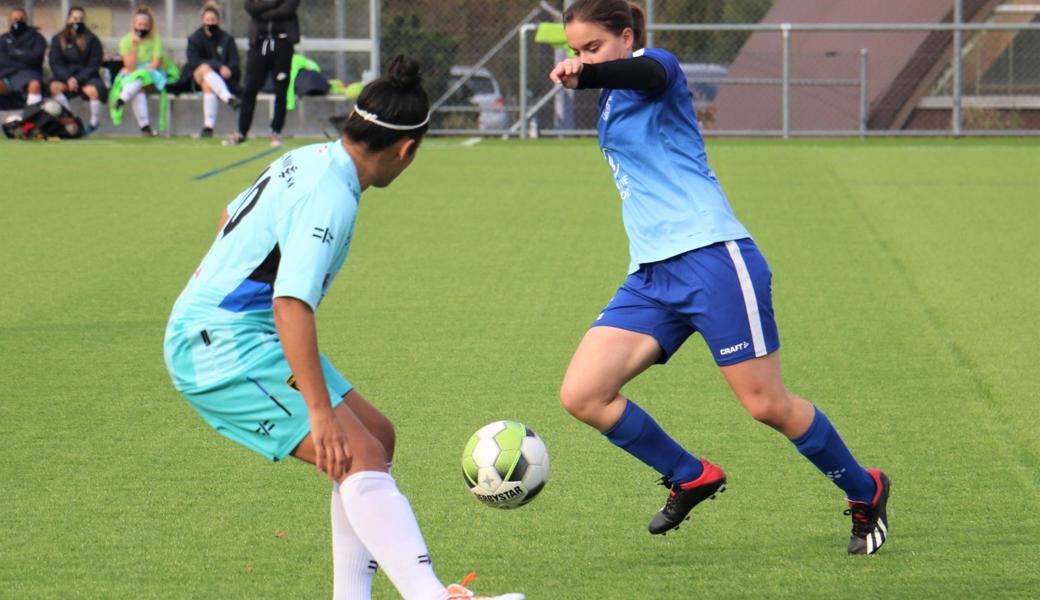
(505, 464)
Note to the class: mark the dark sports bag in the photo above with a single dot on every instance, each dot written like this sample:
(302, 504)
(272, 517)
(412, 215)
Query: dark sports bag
(44, 120)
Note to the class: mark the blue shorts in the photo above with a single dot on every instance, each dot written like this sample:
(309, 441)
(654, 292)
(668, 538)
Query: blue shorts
(262, 409)
(723, 291)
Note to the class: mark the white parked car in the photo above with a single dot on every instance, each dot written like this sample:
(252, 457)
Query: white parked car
(481, 90)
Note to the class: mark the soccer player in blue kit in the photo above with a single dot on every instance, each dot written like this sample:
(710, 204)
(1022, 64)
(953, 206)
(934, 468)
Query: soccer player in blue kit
(241, 343)
(694, 267)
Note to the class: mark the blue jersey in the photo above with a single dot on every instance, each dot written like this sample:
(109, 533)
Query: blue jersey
(287, 235)
(671, 201)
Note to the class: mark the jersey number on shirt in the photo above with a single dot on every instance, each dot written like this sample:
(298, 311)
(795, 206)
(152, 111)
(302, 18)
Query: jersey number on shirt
(243, 210)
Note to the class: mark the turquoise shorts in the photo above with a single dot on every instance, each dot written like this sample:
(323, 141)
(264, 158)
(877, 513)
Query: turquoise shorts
(262, 409)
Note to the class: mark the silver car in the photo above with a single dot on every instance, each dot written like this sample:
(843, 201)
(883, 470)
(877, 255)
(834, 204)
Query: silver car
(482, 90)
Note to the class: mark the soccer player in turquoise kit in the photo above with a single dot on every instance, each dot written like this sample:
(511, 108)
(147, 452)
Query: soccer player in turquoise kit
(241, 343)
(694, 267)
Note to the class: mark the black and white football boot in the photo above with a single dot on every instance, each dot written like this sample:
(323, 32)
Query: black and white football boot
(870, 521)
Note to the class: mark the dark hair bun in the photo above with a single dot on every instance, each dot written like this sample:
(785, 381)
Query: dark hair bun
(404, 74)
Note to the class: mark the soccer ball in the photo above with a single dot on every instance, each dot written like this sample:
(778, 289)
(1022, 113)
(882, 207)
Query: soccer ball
(505, 464)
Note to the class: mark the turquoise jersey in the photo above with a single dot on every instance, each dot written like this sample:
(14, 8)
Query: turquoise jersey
(287, 235)
(671, 201)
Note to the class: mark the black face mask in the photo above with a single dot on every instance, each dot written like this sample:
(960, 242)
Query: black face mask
(77, 27)
(141, 33)
(18, 26)
(211, 29)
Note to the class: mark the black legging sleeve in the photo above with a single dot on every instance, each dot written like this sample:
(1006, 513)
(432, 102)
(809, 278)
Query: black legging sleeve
(639, 73)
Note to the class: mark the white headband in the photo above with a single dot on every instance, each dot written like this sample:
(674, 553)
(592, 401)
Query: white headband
(374, 118)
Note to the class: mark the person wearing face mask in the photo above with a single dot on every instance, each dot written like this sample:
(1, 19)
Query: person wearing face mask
(75, 57)
(273, 31)
(21, 60)
(212, 66)
(142, 52)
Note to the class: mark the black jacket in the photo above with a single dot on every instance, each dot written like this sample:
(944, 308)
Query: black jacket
(273, 19)
(24, 52)
(69, 61)
(216, 51)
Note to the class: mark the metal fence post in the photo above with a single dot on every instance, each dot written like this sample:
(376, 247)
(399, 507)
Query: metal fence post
(170, 12)
(650, 18)
(958, 21)
(226, 20)
(374, 34)
(863, 99)
(340, 7)
(522, 92)
(785, 33)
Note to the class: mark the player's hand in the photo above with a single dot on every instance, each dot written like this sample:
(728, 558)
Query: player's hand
(135, 40)
(73, 86)
(566, 73)
(331, 450)
(225, 72)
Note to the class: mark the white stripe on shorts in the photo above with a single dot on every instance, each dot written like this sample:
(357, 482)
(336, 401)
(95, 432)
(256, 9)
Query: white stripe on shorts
(750, 301)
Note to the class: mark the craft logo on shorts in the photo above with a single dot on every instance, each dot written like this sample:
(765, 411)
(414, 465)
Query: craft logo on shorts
(291, 382)
(734, 349)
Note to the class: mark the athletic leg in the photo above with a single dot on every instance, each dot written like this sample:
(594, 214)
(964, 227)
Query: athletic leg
(209, 109)
(57, 91)
(282, 67)
(34, 92)
(256, 71)
(759, 386)
(378, 513)
(94, 99)
(606, 359)
(140, 104)
(218, 86)
(353, 566)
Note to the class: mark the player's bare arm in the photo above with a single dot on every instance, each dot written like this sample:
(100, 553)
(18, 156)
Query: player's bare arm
(298, 334)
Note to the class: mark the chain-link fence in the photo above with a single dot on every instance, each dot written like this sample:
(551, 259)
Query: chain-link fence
(747, 71)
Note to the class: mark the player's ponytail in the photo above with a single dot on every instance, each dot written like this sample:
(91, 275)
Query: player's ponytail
(391, 108)
(613, 15)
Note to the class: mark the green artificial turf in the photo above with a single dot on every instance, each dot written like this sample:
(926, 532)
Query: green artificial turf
(906, 285)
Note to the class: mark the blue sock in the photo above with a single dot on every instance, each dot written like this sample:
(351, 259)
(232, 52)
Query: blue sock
(824, 448)
(638, 434)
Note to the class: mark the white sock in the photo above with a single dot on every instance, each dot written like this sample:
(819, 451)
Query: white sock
(140, 104)
(33, 98)
(352, 564)
(216, 83)
(95, 113)
(209, 109)
(385, 523)
(64, 101)
(130, 90)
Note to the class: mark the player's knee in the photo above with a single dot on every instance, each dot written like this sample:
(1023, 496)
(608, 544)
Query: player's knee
(57, 88)
(34, 87)
(201, 72)
(387, 437)
(91, 92)
(581, 399)
(369, 453)
(766, 406)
